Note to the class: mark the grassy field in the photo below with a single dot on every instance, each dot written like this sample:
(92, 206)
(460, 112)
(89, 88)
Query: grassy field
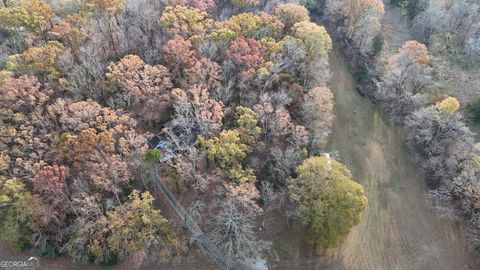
(400, 229)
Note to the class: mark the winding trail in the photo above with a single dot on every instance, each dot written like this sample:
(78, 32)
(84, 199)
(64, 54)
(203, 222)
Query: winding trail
(195, 230)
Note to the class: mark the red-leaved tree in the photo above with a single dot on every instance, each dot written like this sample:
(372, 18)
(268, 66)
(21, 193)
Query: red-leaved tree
(246, 53)
(139, 87)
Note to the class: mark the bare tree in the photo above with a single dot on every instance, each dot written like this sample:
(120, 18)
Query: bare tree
(472, 46)
(187, 168)
(195, 211)
(450, 21)
(317, 110)
(442, 140)
(269, 198)
(234, 231)
(282, 163)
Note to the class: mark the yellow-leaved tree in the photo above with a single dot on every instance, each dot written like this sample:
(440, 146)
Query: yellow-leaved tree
(318, 44)
(329, 201)
(37, 60)
(137, 228)
(315, 37)
(33, 15)
(184, 21)
(230, 147)
(291, 14)
(449, 105)
(15, 213)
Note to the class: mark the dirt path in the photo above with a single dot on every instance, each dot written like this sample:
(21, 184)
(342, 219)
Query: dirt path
(195, 230)
(400, 229)
(395, 31)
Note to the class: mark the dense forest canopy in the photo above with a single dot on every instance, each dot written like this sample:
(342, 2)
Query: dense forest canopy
(228, 105)
(240, 95)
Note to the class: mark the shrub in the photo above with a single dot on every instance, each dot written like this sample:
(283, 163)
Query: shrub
(473, 108)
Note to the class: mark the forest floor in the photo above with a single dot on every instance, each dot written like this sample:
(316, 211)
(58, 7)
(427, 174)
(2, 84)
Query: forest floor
(453, 78)
(58, 263)
(193, 259)
(395, 31)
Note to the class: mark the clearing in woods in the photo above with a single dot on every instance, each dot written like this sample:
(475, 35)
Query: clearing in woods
(400, 228)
